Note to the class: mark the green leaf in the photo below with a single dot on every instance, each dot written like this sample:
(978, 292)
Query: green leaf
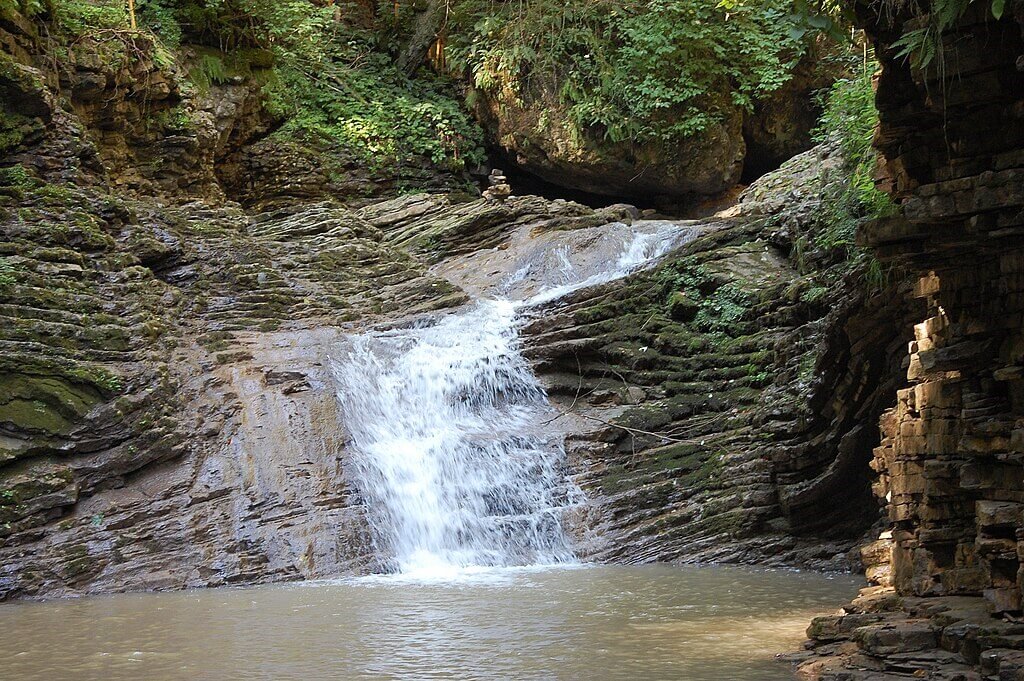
(997, 8)
(818, 21)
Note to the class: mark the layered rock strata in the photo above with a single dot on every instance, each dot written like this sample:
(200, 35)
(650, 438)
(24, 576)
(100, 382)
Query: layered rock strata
(951, 462)
(722, 397)
(170, 419)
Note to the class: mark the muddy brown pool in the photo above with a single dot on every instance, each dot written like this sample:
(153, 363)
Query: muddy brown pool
(585, 623)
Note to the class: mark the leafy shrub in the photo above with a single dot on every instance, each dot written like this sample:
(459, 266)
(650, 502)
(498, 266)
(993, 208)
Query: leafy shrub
(850, 118)
(8, 273)
(26, 8)
(379, 113)
(722, 311)
(161, 18)
(923, 45)
(652, 70)
(79, 17)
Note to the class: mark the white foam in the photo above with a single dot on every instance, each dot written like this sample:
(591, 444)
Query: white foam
(459, 476)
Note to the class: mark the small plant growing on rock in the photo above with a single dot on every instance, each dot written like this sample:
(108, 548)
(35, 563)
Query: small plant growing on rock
(7, 274)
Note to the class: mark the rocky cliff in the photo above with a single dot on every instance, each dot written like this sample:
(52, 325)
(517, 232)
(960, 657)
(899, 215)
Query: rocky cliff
(663, 103)
(535, 132)
(725, 394)
(170, 420)
(174, 279)
(167, 419)
(950, 467)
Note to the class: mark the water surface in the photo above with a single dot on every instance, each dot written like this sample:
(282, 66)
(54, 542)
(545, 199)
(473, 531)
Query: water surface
(579, 624)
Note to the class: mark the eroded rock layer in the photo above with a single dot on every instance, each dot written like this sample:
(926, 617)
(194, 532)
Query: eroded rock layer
(951, 462)
(721, 398)
(169, 417)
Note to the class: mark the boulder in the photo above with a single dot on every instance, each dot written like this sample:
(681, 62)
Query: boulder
(534, 131)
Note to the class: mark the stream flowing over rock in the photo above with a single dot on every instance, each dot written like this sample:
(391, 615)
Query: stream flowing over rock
(172, 359)
(218, 454)
(225, 361)
(447, 448)
(535, 131)
(449, 423)
(174, 362)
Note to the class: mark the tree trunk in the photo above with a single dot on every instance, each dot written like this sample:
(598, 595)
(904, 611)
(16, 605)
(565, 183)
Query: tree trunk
(426, 27)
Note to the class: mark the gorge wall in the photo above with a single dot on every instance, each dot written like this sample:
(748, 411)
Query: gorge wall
(174, 276)
(168, 419)
(725, 394)
(951, 462)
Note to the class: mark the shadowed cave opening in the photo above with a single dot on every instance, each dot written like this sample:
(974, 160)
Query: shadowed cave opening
(759, 161)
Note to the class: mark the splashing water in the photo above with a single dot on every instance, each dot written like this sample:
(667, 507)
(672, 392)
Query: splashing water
(447, 422)
(643, 248)
(443, 418)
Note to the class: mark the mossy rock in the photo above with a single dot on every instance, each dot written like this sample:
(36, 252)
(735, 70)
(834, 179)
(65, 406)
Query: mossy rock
(682, 308)
(24, 107)
(46, 405)
(24, 482)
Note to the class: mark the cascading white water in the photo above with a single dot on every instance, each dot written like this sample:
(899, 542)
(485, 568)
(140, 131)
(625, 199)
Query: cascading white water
(643, 247)
(447, 422)
(443, 419)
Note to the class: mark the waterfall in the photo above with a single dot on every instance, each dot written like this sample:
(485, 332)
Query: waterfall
(447, 422)
(444, 421)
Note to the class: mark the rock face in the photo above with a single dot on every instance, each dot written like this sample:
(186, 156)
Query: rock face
(122, 120)
(169, 417)
(722, 396)
(536, 134)
(951, 462)
(282, 170)
(534, 131)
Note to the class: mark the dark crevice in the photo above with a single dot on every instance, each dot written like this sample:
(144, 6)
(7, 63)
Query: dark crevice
(525, 183)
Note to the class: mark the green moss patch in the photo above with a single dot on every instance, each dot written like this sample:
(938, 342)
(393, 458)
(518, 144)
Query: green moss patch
(44, 404)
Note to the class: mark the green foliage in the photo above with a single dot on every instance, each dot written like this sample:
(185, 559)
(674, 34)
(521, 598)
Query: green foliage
(850, 118)
(28, 8)
(296, 28)
(328, 80)
(8, 274)
(177, 120)
(14, 182)
(160, 17)
(100, 377)
(80, 17)
(334, 84)
(653, 70)
(12, 130)
(16, 176)
(723, 309)
(720, 307)
(209, 69)
(377, 112)
(813, 294)
(923, 45)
